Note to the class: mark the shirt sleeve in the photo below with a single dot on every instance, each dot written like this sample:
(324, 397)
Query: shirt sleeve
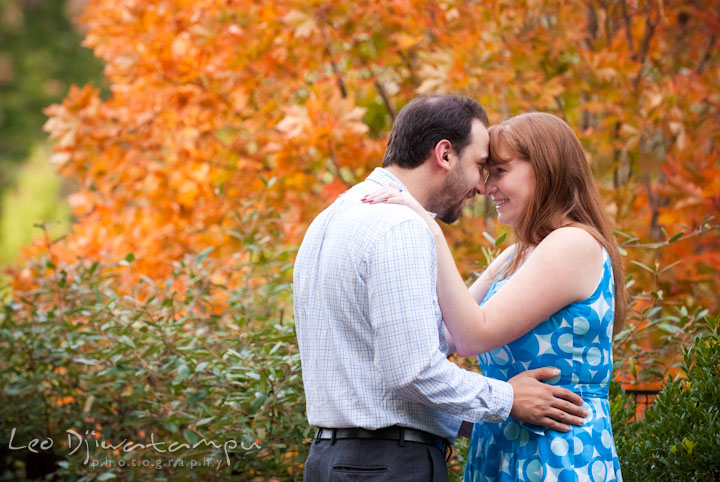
(404, 315)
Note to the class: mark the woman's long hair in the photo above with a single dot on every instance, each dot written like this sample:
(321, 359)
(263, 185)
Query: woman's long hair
(564, 189)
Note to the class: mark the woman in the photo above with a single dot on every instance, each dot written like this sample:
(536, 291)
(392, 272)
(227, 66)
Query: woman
(554, 298)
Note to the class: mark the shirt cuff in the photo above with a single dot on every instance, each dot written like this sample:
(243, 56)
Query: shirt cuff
(501, 400)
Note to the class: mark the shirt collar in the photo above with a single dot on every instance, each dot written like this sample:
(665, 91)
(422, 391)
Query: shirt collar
(383, 177)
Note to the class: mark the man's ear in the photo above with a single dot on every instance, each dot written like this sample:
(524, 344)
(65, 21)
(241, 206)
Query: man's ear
(442, 155)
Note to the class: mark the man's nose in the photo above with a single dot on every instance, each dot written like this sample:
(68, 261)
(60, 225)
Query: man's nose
(481, 187)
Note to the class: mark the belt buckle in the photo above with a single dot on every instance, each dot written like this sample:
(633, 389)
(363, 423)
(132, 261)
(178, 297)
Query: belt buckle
(321, 431)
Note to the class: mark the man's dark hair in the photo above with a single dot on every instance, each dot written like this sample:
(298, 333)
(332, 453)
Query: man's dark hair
(427, 120)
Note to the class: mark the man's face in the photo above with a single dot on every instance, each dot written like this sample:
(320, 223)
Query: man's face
(464, 179)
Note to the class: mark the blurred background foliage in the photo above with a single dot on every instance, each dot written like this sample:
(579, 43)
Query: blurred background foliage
(40, 57)
(219, 128)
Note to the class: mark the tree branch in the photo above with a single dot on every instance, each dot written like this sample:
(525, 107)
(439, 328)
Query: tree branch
(655, 230)
(592, 24)
(706, 57)
(650, 26)
(628, 28)
(386, 99)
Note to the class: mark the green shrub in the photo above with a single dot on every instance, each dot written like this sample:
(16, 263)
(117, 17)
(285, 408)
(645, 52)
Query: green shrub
(165, 364)
(679, 438)
(75, 355)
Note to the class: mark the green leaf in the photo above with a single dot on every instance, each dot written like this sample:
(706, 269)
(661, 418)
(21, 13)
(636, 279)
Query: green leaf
(106, 476)
(190, 436)
(643, 266)
(253, 375)
(127, 340)
(197, 396)
(182, 372)
(130, 257)
(234, 353)
(11, 390)
(84, 361)
(689, 445)
(258, 402)
(204, 421)
(676, 237)
(500, 240)
(653, 311)
(275, 348)
(667, 327)
(671, 266)
(203, 254)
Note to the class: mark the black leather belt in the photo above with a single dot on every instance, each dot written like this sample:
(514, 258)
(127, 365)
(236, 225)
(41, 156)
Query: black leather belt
(401, 434)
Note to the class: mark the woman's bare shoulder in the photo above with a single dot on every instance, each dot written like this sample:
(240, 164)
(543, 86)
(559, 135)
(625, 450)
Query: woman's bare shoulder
(572, 240)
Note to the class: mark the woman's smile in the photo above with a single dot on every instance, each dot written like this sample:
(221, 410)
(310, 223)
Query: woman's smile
(499, 203)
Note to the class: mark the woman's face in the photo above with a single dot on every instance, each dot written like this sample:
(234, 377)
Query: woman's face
(510, 184)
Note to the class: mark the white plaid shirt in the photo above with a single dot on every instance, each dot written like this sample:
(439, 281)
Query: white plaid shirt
(369, 325)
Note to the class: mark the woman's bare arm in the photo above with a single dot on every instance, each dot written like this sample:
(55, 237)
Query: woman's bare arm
(563, 268)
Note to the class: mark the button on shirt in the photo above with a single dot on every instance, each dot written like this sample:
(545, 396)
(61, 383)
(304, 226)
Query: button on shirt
(369, 325)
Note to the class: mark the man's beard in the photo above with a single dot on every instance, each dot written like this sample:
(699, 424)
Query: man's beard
(447, 201)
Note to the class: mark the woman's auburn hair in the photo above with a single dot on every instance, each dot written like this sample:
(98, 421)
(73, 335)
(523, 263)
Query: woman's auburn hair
(564, 189)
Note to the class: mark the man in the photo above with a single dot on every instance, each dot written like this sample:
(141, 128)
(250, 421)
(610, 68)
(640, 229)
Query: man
(378, 384)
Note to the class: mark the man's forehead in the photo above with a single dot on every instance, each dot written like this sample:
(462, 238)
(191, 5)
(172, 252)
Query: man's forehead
(480, 132)
(481, 140)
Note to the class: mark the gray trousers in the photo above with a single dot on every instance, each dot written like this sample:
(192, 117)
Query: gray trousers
(348, 460)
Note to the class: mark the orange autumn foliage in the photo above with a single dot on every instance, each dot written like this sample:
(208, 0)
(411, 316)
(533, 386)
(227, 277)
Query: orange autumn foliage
(219, 108)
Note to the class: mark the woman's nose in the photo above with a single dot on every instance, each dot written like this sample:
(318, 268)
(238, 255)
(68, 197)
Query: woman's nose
(490, 186)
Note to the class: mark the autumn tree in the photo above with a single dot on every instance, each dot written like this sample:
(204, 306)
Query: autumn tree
(230, 124)
(226, 115)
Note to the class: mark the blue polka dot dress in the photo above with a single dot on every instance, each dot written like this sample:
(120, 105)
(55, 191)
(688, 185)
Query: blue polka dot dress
(576, 339)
